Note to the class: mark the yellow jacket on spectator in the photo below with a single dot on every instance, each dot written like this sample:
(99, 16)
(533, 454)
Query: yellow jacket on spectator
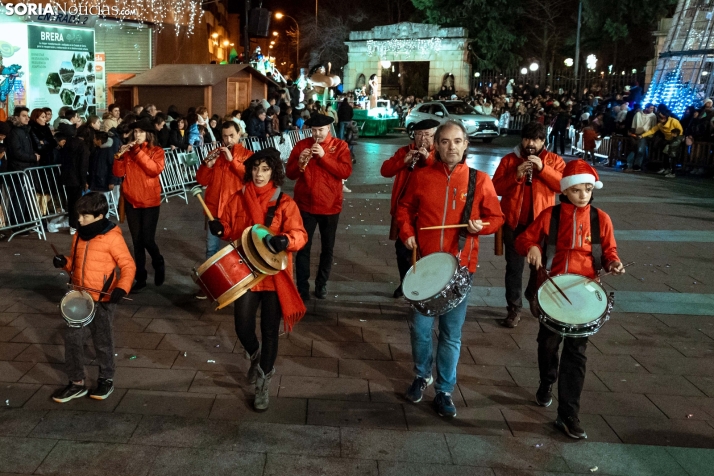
(666, 128)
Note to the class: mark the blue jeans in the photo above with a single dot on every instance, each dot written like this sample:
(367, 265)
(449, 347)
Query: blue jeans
(633, 159)
(341, 130)
(448, 346)
(213, 244)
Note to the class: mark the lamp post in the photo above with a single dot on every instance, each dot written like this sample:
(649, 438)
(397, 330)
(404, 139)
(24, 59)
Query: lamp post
(297, 43)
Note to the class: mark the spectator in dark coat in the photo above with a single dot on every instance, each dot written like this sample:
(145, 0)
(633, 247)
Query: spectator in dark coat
(162, 130)
(101, 162)
(177, 135)
(43, 141)
(286, 119)
(68, 124)
(256, 124)
(270, 129)
(4, 131)
(20, 153)
(344, 116)
(75, 169)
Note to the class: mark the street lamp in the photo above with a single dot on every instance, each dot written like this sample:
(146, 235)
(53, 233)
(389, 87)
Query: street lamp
(279, 16)
(568, 62)
(524, 71)
(533, 67)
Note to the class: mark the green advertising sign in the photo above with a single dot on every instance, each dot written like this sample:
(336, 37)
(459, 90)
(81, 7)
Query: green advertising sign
(62, 68)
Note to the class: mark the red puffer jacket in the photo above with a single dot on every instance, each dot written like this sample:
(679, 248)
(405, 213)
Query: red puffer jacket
(287, 221)
(318, 189)
(573, 250)
(546, 184)
(435, 197)
(97, 259)
(141, 166)
(223, 179)
(395, 167)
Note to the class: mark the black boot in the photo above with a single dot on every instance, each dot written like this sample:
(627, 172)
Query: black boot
(159, 271)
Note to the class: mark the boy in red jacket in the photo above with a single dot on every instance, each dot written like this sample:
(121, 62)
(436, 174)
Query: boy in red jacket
(573, 254)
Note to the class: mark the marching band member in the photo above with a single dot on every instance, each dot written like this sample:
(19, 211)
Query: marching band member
(437, 195)
(400, 166)
(574, 254)
(527, 180)
(140, 162)
(222, 179)
(318, 164)
(276, 295)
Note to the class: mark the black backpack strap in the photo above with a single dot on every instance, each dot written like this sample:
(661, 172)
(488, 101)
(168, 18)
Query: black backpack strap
(468, 207)
(552, 238)
(271, 210)
(595, 239)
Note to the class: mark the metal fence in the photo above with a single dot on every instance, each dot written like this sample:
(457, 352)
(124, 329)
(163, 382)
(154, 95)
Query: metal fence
(22, 205)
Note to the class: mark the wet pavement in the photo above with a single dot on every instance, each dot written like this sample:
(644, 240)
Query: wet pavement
(182, 403)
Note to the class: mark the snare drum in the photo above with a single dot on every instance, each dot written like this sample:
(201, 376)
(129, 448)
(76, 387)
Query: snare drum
(77, 308)
(438, 285)
(590, 309)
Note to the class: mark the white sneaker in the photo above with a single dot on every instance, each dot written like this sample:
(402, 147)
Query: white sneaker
(345, 189)
(662, 171)
(670, 175)
(72, 231)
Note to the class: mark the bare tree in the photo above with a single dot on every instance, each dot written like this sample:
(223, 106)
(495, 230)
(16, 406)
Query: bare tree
(545, 28)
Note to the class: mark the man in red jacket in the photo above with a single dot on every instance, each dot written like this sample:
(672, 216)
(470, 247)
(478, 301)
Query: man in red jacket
(574, 255)
(437, 195)
(527, 180)
(222, 179)
(400, 166)
(318, 164)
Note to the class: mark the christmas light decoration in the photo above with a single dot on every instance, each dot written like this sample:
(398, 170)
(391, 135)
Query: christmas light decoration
(591, 61)
(674, 94)
(405, 47)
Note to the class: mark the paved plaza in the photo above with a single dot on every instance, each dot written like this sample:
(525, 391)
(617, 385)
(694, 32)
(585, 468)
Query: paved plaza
(183, 406)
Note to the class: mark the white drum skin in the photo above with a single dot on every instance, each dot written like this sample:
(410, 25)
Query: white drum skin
(437, 285)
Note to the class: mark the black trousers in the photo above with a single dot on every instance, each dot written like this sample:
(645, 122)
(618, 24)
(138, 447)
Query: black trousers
(244, 312)
(570, 375)
(557, 136)
(73, 194)
(328, 231)
(404, 258)
(101, 330)
(514, 270)
(142, 225)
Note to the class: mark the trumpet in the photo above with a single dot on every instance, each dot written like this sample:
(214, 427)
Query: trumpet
(214, 154)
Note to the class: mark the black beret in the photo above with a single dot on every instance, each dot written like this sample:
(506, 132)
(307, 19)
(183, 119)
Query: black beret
(426, 124)
(144, 124)
(319, 120)
(271, 152)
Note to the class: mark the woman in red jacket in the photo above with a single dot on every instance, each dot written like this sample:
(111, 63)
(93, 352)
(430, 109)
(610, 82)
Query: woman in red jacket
(276, 295)
(140, 162)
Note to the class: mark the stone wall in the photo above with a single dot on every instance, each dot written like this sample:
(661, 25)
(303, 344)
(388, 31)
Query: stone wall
(450, 57)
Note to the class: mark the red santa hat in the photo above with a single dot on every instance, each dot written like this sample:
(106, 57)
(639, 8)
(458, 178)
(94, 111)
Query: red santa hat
(577, 172)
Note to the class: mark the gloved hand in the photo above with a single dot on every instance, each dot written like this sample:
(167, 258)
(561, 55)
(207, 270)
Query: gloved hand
(216, 227)
(116, 295)
(59, 261)
(276, 243)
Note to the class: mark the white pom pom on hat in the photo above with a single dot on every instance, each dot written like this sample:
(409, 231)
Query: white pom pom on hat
(577, 172)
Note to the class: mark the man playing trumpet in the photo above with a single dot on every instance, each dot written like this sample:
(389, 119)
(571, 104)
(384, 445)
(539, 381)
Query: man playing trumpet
(318, 165)
(400, 166)
(222, 174)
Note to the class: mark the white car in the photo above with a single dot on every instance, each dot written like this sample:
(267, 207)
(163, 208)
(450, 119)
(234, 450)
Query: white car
(478, 126)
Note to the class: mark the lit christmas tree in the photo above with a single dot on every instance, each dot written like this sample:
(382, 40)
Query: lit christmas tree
(674, 94)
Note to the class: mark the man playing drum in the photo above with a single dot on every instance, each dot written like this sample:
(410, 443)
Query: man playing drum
(573, 254)
(222, 179)
(527, 180)
(438, 195)
(400, 166)
(318, 164)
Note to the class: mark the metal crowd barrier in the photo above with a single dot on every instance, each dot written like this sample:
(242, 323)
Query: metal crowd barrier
(19, 211)
(50, 194)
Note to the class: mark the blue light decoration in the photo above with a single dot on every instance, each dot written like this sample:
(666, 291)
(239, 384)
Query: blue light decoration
(674, 94)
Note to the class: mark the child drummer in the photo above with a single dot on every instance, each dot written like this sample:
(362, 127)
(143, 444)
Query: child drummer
(573, 254)
(98, 248)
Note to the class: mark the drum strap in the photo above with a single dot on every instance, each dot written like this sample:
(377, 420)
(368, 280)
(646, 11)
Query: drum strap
(271, 210)
(468, 207)
(552, 238)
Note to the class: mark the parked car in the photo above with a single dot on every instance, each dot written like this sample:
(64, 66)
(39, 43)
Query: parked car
(478, 126)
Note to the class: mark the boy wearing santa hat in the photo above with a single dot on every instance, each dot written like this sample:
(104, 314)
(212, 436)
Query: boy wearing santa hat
(574, 255)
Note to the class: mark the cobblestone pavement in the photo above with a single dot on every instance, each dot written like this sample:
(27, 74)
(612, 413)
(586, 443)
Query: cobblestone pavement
(182, 406)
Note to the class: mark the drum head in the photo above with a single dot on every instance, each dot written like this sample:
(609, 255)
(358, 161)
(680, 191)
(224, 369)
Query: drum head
(588, 297)
(433, 273)
(76, 306)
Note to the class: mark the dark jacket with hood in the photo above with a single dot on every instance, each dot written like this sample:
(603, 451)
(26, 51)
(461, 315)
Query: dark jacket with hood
(43, 142)
(20, 153)
(74, 158)
(67, 128)
(100, 166)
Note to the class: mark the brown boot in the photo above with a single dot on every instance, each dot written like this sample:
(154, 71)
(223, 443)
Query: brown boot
(533, 303)
(514, 317)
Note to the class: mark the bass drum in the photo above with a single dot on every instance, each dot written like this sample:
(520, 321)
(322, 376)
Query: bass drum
(437, 284)
(590, 308)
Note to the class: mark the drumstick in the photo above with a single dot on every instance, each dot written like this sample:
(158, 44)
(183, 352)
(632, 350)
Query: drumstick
(54, 249)
(624, 266)
(558, 288)
(414, 258)
(94, 290)
(441, 227)
(205, 207)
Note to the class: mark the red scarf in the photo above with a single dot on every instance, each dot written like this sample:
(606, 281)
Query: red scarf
(257, 200)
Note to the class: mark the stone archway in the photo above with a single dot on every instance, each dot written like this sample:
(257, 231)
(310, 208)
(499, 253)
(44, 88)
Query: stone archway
(444, 48)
